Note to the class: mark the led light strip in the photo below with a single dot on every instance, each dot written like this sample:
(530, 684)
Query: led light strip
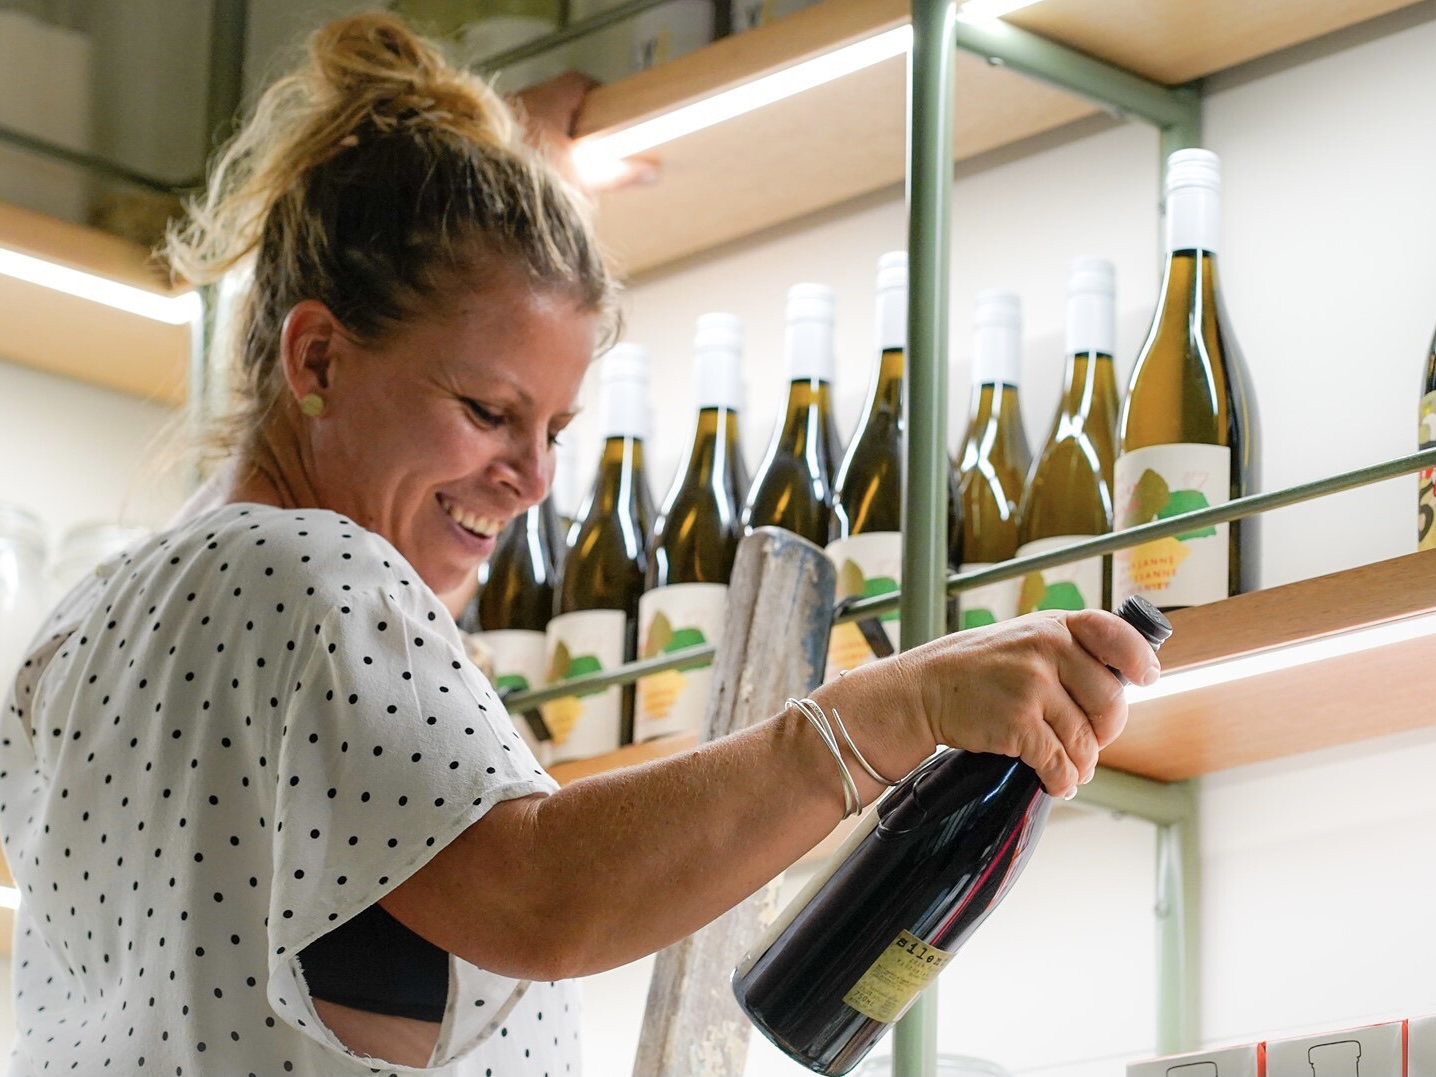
(1279, 658)
(597, 149)
(596, 157)
(172, 309)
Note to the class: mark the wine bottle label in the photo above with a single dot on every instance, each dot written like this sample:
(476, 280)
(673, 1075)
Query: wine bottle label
(671, 619)
(519, 660)
(868, 564)
(1077, 586)
(988, 604)
(894, 981)
(1154, 483)
(1426, 505)
(590, 723)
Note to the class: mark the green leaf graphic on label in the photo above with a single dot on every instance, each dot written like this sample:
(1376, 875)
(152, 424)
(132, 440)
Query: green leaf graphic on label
(581, 664)
(1182, 501)
(512, 682)
(688, 637)
(1062, 595)
(882, 585)
(977, 618)
(660, 632)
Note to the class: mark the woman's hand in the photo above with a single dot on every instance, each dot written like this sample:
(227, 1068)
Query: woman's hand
(1036, 687)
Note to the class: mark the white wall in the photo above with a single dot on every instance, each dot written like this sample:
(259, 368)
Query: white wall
(1317, 869)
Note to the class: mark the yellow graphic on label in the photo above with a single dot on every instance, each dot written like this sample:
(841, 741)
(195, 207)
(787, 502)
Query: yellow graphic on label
(658, 692)
(562, 715)
(1426, 497)
(848, 647)
(896, 978)
(1155, 564)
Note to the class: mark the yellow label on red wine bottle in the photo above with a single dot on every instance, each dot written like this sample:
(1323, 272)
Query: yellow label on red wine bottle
(1426, 503)
(894, 981)
(868, 564)
(591, 723)
(1155, 483)
(674, 618)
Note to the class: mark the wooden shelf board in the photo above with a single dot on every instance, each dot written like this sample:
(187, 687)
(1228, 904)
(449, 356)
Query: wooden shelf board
(1319, 705)
(79, 338)
(847, 139)
(1176, 41)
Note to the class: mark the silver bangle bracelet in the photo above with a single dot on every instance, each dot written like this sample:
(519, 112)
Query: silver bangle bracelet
(852, 801)
(818, 719)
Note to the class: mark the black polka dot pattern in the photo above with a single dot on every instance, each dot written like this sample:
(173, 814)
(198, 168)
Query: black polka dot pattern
(248, 730)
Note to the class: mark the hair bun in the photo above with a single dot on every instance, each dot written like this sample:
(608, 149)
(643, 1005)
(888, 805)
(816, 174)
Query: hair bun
(379, 71)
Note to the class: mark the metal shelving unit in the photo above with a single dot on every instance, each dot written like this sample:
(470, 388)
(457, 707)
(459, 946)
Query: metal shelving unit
(938, 33)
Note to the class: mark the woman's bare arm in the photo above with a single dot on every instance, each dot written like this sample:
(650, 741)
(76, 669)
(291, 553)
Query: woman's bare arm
(620, 865)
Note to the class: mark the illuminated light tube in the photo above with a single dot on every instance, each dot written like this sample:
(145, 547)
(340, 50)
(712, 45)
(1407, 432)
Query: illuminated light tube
(9, 897)
(172, 309)
(596, 157)
(596, 152)
(1279, 658)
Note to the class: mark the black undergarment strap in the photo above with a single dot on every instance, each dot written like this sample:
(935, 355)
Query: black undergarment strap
(376, 964)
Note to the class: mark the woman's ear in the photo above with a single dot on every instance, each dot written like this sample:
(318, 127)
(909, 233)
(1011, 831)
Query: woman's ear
(307, 348)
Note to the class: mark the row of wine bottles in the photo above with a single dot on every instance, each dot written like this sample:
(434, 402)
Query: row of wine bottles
(635, 584)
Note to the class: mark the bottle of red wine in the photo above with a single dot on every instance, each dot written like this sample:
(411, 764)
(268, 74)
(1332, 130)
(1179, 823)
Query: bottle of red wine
(855, 949)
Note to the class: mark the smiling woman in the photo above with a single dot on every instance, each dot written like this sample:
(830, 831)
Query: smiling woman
(265, 815)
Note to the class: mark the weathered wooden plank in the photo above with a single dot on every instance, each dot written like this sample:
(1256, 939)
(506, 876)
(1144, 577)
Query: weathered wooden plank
(780, 608)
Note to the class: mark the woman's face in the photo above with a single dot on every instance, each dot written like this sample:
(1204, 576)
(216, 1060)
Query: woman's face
(441, 434)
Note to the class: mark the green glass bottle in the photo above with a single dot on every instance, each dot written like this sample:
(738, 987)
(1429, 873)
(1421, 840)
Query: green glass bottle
(793, 487)
(995, 458)
(1188, 431)
(595, 627)
(695, 539)
(1068, 496)
(868, 494)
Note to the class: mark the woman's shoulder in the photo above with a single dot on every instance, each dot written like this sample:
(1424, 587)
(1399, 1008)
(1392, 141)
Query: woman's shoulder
(309, 553)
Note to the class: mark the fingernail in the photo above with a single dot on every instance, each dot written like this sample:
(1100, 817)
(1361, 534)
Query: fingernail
(1151, 676)
(1069, 794)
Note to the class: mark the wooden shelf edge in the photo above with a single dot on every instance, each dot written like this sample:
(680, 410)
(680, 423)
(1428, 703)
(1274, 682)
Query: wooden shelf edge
(627, 756)
(1339, 700)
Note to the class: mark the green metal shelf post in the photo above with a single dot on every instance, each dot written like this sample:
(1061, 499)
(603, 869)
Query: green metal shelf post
(924, 563)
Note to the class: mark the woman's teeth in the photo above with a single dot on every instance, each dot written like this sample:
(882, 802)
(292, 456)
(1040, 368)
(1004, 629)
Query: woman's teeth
(482, 526)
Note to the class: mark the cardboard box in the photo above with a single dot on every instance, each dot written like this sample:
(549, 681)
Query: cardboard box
(1371, 1051)
(1245, 1061)
(1421, 1047)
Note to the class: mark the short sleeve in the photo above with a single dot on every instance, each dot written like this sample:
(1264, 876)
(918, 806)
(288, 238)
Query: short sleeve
(389, 746)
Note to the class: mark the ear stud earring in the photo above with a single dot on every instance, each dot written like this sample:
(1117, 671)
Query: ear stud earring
(312, 404)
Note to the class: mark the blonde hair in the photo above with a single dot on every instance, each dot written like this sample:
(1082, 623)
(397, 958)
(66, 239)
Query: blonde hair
(373, 180)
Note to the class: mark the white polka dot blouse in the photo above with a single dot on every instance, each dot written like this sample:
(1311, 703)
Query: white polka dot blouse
(224, 744)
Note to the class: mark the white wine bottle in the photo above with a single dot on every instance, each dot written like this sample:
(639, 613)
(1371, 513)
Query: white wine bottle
(515, 607)
(867, 497)
(602, 580)
(1426, 439)
(995, 458)
(695, 540)
(793, 488)
(1187, 435)
(1068, 496)
(881, 919)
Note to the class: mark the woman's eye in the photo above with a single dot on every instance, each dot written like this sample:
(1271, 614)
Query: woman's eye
(483, 414)
(553, 439)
